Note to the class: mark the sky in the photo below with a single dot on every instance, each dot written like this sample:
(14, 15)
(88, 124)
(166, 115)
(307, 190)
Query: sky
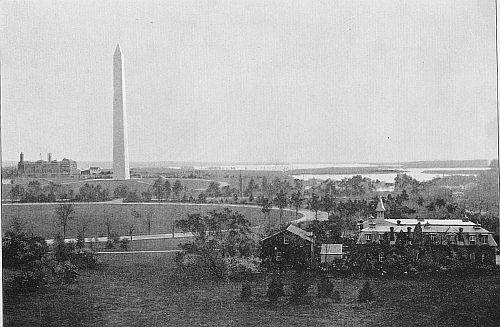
(251, 81)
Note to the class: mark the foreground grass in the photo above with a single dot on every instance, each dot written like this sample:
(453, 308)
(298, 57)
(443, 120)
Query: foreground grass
(140, 290)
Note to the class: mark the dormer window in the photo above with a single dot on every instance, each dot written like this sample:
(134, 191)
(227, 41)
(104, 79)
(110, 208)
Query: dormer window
(286, 240)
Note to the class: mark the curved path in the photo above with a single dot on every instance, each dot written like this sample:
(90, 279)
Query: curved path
(307, 215)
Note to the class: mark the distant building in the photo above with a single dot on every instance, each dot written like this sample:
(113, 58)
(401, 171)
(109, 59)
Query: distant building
(49, 168)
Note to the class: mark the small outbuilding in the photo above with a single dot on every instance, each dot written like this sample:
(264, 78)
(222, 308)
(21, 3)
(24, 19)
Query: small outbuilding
(330, 252)
(289, 248)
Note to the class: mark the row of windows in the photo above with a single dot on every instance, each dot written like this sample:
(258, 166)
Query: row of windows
(472, 238)
(472, 257)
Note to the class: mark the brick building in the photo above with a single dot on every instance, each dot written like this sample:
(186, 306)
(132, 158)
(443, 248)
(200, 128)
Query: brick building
(49, 168)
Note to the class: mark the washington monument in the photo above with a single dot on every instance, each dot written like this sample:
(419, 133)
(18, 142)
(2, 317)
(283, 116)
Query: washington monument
(121, 169)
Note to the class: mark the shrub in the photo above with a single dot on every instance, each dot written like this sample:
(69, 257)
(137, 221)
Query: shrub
(275, 290)
(246, 293)
(19, 249)
(325, 287)
(365, 294)
(207, 265)
(28, 279)
(65, 272)
(84, 259)
(335, 296)
(109, 244)
(63, 251)
(299, 289)
(237, 267)
(124, 244)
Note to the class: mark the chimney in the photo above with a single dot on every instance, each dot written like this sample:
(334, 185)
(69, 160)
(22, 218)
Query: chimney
(21, 157)
(49, 157)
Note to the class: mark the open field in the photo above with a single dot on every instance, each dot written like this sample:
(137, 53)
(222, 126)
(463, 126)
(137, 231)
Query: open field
(40, 218)
(139, 290)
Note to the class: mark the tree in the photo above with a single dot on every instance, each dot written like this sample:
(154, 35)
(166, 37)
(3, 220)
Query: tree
(64, 214)
(149, 218)
(121, 191)
(146, 196)
(16, 192)
(213, 189)
(158, 189)
(297, 202)
(266, 208)
(167, 190)
(177, 189)
(314, 204)
(251, 187)
(281, 201)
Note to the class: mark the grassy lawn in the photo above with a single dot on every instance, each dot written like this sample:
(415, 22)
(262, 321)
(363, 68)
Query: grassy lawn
(40, 218)
(139, 290)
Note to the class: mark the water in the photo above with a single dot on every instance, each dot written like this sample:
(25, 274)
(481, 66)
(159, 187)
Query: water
(417, 173)
(283, 167)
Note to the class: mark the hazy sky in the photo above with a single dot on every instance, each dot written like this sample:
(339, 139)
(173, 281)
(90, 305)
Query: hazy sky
(251, 80)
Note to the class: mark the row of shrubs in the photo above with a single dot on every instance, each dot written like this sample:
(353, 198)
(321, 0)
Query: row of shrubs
(300, 287)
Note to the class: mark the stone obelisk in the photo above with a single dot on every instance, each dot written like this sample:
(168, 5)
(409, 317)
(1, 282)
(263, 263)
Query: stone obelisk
(121, 168)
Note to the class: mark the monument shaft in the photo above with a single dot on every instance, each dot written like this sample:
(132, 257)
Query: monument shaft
(121, 168)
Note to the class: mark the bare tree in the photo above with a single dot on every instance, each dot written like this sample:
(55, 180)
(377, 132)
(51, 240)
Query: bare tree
(64, 214)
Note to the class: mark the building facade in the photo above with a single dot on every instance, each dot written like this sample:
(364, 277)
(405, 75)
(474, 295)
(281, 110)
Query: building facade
(458, 239)
(48, 169)
(290, 248)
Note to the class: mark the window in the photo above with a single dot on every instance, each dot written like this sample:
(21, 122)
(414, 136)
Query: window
(484, 239)
(472, 240)
(368, 237)
(381, 257)
(472, 257)
(433, 238)
(286, 240)
(279, 256)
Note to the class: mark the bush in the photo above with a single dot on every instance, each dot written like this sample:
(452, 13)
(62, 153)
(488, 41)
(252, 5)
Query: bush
(207, 265)
(124, 244)
(325, 288)
(63, 251)
(275, 290)
(246, 293)
(28, 279)
(365, 294)
(84, 259)
(299, 289)
(336, 296)
(237, 267)
(20, 250)
(65, 272)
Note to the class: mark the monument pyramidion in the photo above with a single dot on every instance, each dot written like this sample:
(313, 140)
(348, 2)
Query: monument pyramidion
(121, 167)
